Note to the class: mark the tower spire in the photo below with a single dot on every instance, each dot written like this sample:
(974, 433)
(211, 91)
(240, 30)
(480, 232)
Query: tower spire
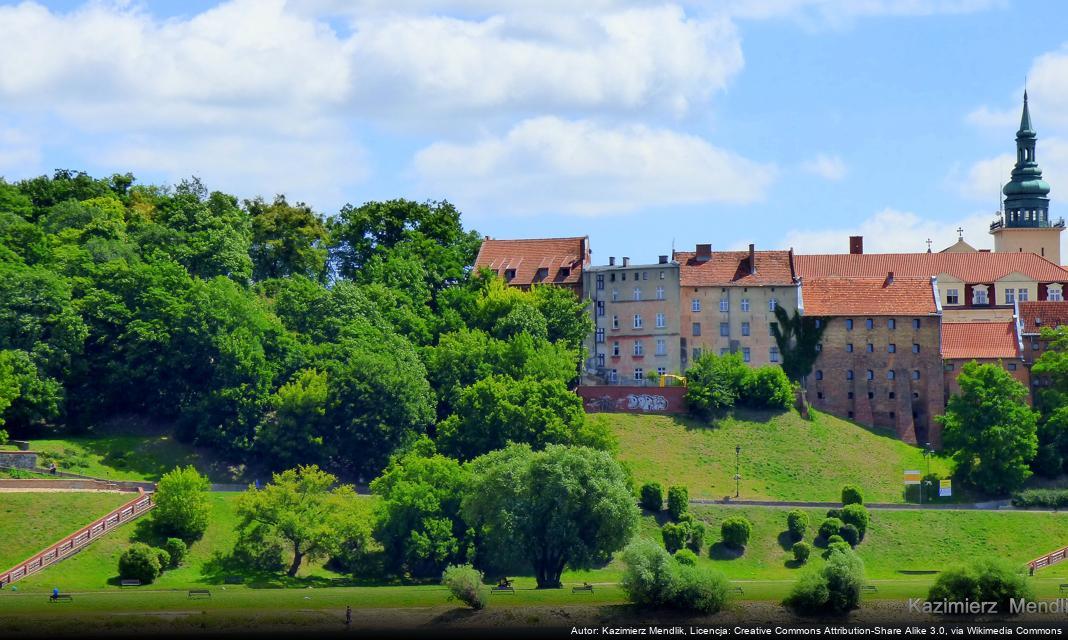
(1025, 120)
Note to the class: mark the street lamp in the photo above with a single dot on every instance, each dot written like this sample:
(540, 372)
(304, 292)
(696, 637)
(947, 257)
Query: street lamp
(737, 469)
(927, 453)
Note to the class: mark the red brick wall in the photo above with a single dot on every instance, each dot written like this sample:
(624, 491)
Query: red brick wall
(1022, 373)
(633, 399)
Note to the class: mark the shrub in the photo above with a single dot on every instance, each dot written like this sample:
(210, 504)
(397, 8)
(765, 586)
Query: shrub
(685, 556)
(735, 532)
(850, 534)
(851, 495)
(857, 515)
(696, 541)
(714, 383)
(648, 575)
(182, 506)
(675, 535)
(768, 387)
(835, 539)
(982, 581)
(797, 523)
(837, 546)
(652, 496)
(163, 556)
(833, 589)
(678, 501)
(139, 562)
(1047, 498)
(699, 589)
(834, 513)
(829, 527)
(465, 584)
(802, 550)
(177, 550)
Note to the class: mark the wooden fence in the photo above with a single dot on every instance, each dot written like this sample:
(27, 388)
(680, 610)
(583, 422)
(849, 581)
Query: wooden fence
(1048, 559)
(77, 540)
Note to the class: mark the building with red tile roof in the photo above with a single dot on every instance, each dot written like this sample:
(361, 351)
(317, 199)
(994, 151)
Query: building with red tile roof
(523, 263)
(1034, 317)
(888, 295)
(707, 268)
(997, 343)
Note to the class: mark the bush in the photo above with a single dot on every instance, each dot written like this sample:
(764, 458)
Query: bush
(465, 584)
(678, 501)
(830, 527)
(857, 515)
(835, 539)
(982, 581)
(802, 550)
(652, 496)
(833, 589)
(768, 387)
(177, 550)
(696, 541)
(675, 535)
(714, 383)
(849, 534)
(837, 546)
(834, 513)
(164, 558)
(699, 589)
(735, 532)
(851, 495)
(139, 562)
(1046, 498)
(685, 556)
(182, 506)
(797, 523)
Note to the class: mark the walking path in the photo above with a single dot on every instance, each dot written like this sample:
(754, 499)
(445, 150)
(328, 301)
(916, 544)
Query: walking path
(994, 505)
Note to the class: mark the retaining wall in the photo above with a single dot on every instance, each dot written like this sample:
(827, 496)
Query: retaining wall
(628, 399)
(26, 460)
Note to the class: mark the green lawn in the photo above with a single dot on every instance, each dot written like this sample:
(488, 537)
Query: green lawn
(124, 457)
(31, 521)
(783, 457)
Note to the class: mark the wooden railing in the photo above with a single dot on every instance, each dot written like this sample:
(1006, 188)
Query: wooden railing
(1048, 559)
(75, 541)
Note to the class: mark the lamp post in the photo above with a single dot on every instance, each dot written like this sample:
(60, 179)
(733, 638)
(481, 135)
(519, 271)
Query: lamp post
(737, 469)
(927, 453)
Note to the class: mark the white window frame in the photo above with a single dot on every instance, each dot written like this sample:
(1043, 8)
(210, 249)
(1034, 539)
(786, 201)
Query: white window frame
(695, 305)
(746, 355)
(637, 321)
(724, 305)
(952, 296)
(660, 293)
(772, 303)
(661, 347)
(637, 294)
(661, 321)
(745, 305)
(638, 349)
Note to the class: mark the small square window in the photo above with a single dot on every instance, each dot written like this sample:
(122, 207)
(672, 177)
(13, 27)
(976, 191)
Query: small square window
(915, 374)
(850, 396)
(891, 348)
(869, 323)
(949, 366)
(892, 395)
(891, 324)
(819, 374)
(892, 415)
(871, 348)
(849, 347)
(697, 328)
(1012, 366)
(850, 414)
(915, 348)
(871, 395)
(745, 328)
(724, 329)
(915, 323)
(819, 395)
(849, 374)
(849, 324)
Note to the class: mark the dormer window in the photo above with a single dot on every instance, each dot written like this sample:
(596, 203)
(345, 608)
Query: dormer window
(565, 271)
(509, 274)
(542, 274)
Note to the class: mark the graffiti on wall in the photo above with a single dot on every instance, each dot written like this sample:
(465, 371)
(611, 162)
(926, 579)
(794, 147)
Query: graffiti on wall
(646, 402)
(633, 399)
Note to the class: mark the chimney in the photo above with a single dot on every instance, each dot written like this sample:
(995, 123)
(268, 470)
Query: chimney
(704, 252)
(889, 279)
(611, 261)
(663, 260)
(626, 261)
(752, 259)
(856, 245)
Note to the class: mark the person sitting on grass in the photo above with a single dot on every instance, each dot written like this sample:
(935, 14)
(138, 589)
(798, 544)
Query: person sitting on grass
(55, 594)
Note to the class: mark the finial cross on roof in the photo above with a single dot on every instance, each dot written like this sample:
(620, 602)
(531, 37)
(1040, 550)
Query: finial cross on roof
(960, 233)
(928, 245)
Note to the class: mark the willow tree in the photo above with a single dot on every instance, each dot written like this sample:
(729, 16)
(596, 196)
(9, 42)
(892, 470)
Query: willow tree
(798, 339)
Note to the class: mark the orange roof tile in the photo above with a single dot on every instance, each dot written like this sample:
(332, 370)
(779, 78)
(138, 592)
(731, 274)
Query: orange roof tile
(731, 268)
(966, 340)
(562, 259)
(980, 267)
(838, 296)
(1038, 315)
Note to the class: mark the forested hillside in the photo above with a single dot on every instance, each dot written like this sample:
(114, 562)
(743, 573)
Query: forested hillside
(272, 333)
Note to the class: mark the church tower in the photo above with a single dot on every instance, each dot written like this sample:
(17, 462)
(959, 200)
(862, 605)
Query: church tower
(1025, 224)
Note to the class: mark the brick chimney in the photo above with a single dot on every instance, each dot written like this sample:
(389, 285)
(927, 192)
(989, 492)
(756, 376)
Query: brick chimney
(663, 260)
(704, 252)
(611, 261)
(856, 245)
(889, 279)
(752, 259)
(626, 261)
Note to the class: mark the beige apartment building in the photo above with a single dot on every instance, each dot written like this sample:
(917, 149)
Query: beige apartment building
(636, 322)
(728, 301)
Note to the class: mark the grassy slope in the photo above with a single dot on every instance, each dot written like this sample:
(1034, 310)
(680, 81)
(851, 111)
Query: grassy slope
(31, 521)
(783, 457)
(122, 457)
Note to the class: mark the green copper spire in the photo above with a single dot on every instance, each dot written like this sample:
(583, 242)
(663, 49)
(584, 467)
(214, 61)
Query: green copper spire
(1026, 201)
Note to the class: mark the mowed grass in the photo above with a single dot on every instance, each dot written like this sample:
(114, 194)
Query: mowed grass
(29, 522)
(783, 457)
(97, 566)
(144, 457)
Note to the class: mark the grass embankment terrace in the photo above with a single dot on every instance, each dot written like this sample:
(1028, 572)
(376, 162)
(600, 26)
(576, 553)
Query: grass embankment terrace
(783, 457)
(121, 457)
(31, 521)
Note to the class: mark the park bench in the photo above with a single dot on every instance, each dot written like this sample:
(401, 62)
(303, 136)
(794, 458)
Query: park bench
(1064, 587)
(870, 588)
(130, 583)
(61, 598)
(233, 580)
(199, 593)
(510, 590)
(737, 590)
(583, 588)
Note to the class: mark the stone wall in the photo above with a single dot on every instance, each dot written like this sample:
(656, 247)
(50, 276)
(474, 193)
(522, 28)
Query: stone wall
(633, 399)
(19, 459)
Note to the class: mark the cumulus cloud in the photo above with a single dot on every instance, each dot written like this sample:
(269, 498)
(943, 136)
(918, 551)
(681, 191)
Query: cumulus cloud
(825, 166)
(892, 231)
(579, 166)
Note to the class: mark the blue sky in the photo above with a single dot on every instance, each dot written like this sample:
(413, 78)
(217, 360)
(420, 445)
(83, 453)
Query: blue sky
(778, 122)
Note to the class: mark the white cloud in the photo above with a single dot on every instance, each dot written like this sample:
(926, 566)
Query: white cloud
(983, 177)
(825, 166)
(18, 151)
(548, 163)
(892, 231)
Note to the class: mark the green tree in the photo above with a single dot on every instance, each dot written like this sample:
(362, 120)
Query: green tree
(797, 337)
(286, 240)
(21, 241)
(301, 507)
(558, 507)
(418, 519)
(982, 580)
(1052, 403)
(182, 507)
(715, 383)
(294, 431)
(498, 410)
(989, 429)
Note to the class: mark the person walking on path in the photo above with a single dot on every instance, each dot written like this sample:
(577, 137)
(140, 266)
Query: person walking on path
(348, 616)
